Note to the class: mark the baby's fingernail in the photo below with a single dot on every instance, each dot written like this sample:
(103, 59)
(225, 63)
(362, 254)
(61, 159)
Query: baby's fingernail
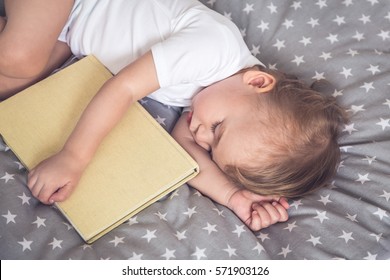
(51, 201)
(274, 203)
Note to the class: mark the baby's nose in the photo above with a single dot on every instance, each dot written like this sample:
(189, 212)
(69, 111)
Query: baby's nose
(204, 137)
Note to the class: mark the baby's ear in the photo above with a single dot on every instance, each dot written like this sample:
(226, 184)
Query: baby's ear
(262, 81)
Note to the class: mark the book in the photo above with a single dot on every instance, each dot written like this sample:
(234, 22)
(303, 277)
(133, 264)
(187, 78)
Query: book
(135, 165)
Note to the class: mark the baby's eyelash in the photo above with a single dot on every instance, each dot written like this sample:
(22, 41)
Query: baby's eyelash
(214, 126)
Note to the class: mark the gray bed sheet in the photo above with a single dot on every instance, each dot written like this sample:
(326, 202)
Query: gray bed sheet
(346, 42)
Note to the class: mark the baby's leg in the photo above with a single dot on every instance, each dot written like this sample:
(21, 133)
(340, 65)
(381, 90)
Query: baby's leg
(11, 86)
(28, 40)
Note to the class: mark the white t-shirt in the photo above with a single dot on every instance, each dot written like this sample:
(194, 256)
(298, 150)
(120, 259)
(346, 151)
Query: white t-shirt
(192, 46)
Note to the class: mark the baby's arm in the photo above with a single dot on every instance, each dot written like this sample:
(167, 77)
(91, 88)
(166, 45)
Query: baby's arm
(54, 179)
(255, 210)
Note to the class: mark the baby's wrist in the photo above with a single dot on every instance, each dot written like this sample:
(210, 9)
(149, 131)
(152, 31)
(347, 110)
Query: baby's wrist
(74, 157)
(229, 197)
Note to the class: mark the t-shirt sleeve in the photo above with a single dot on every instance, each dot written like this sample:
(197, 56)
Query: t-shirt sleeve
(200, 55)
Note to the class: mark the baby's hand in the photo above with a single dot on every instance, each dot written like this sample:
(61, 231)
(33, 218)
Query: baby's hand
(258, 211)
(54, 179)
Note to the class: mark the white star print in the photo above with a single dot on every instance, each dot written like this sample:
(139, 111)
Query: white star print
(272, 8)
(117, 240)
(346, 72)
(383, 123)
(263, 26)
(384, 35)
(161, 216)
(370, 256)
(248, 8)
(296, 5)
(346, 236)
(40, 222)
(347, 3)
(298, 60)
(25, 199)
(231, 251)
(305, 41)
(181, 235)
(332, 38)
(55, 243)
(86, 246)
(337, 93)
(368, 86)
(136, 256)
(352, 52)
(387, 103)
(386, 195)
(259, 248)
(161, 120)
(381, 213)
(313, 22)
(219, 212)
(255, 50)
(321, 216)
(228, 15)
(314, 240)
(285, 251)
(272, 66)
(376, 236)
(288, 23)
(132, 221)
(149, 235)
(388, 16)
(296, 203)
(199, 253)
(326, 56)
(373, 2)
(210, 228)
(10, 217)
(20, 166)
(291, 226)
(363, 178)
(319, 76)
(263, 236)
(370, 160)
(239, 229)
(8, 177)
(356, 108)
(174, 194)
(365, 19)
(321, 3)
(169, 254)
(350, 128)
(352, 217)
(325, 199)
(358, 36)
(339, 20)
(373, 69)
(26, 244)
(190, 212)
(279, 44)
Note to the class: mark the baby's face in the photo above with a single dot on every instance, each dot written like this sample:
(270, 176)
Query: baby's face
(222, 121)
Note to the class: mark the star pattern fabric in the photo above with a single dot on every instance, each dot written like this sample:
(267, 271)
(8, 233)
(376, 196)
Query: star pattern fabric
(345, 42)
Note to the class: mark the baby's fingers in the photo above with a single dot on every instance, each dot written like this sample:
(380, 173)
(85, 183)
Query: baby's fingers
(263, 213)
(283, 201)
(254, 222)
(61, 194)
(283, 214)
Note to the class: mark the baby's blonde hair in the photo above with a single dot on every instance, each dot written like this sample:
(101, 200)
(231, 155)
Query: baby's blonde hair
(298, 150)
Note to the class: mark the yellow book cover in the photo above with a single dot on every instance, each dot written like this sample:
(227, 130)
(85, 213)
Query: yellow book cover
(136, 164)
